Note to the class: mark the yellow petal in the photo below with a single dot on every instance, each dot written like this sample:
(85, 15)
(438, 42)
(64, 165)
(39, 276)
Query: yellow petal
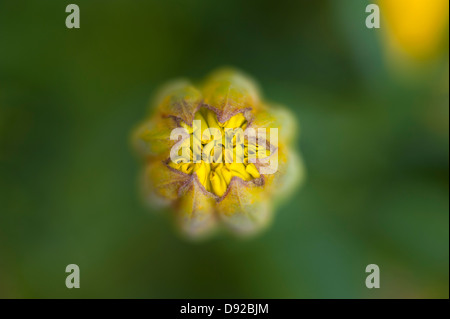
(188, 128)
(224, 172)
(184, 154)
(202, 171)
(218, 183)
(186, 168)
(238, 169)
(236, 121)
(212, 152)
(256, 151)
(211, 118)
(235, 154)
(252, 170)
(200, 124)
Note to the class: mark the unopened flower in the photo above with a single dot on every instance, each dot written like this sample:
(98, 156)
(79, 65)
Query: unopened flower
(217, 154)
(415, 30)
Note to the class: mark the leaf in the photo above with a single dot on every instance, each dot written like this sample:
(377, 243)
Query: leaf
(289, 176)
(152, 137)
(244, 209)
(277, 116)
(163, 182)
(179, 99)
(195, 210)
(230, 92)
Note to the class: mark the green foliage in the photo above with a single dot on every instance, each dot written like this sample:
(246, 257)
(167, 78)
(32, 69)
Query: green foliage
(375, 150)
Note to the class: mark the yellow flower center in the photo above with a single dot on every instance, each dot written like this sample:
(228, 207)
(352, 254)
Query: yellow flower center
(218, 163)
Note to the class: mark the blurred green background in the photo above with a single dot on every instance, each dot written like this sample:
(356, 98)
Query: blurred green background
(374, 139)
